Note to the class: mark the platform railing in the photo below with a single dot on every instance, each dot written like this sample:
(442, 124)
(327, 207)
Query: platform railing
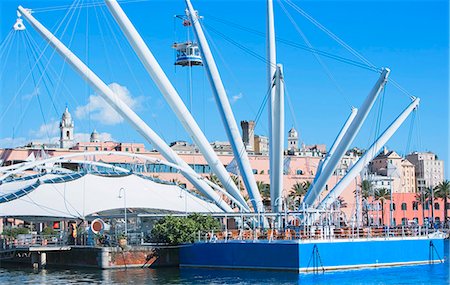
(319, 233)
(33, 240)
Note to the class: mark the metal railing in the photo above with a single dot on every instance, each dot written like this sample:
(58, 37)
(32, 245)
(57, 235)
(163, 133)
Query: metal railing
(315, 233)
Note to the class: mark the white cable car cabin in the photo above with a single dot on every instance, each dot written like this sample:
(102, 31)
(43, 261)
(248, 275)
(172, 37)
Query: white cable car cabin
(188, 54)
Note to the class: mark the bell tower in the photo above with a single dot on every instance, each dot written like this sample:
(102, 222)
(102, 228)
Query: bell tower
(292, 139)
(66, 130)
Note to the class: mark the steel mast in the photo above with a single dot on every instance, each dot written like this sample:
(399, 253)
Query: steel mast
(114, 101)
(276, 189)
(336, 142)
(314, 192)
(226, 112)
(368, 155)
(173, 98)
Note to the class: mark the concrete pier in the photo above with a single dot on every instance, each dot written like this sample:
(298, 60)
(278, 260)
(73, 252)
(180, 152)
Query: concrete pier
(96, 257)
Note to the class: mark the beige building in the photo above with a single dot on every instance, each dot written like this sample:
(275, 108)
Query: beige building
(429, 169)
(261, 145)
(399, 171)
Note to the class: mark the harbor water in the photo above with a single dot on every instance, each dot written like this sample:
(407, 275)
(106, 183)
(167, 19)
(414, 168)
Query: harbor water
(421, 274)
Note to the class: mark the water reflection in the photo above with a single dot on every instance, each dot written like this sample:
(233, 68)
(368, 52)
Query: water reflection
(424, 274)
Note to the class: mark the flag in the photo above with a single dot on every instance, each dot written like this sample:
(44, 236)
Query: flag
(232, 167)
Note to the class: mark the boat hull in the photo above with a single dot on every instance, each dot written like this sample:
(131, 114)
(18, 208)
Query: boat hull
(315, 255)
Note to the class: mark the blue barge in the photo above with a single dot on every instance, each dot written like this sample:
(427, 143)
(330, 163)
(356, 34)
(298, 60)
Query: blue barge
(315, 255)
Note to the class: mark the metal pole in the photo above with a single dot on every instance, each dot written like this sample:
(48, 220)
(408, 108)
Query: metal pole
(173, 98)
(276, 174)
(368, 156)
(120, 107)
(313, 193)
(124, 208)
(336, 142)
(226, 112)
(271, 70)
(390, 206)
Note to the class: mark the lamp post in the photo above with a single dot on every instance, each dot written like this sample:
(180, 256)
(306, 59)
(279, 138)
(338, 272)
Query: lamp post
(124, 207)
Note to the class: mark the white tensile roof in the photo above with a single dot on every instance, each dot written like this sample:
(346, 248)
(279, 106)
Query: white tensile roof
(89, 194)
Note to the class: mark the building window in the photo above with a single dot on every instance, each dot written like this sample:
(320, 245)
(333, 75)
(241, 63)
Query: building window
(138, 150)
(426, 206)
(96, 148)
(105, 149)
(255, 171)
(299, 172)
(126, 149)
(415, 206)
(393, 206)
(448, 206)
(404, 221)
(404, 206)
(436, 206)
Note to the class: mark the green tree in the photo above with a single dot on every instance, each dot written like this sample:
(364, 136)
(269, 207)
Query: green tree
(382, 195)
(366, 188)
(422, 199)
(177, 230)
(214, 179)
(443, 192)
(299, 190)
(13, 232)
(264, 190)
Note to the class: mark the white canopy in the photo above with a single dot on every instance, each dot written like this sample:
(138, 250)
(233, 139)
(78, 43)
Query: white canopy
(91, 194)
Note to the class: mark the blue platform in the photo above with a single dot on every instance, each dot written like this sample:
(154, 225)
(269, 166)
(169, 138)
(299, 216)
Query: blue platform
(314, 255)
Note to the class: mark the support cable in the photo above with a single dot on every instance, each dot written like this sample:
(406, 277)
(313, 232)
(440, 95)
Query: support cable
(343, 43)
(317, 57)
(71, 13)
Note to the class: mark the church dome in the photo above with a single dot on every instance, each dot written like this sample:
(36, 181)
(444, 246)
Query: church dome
(95, 136)
(66, 114)
(292, 132)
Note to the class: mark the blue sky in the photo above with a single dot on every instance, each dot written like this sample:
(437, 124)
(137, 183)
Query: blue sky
(410, 37)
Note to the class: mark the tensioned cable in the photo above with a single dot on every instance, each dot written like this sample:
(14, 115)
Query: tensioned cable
(48, 63)
(329, 33)
(37, 94)
(8, 51)
(35, 55)
(60, 83)
(296, 45)
(341, 42)
(228, 68)
(86, 5)
(411, 130)
(316, 56)
(291, 110)
(42, 54)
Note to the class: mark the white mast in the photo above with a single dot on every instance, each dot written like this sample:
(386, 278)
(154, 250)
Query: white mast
(368, 155)
(226, 113)
(271, 69)
(276, 188)
(336, 142)
(114, 101)
(314, 192)
(173, 98)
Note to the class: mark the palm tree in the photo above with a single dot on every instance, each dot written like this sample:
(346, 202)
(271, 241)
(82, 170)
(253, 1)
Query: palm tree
(214, 179)
(382, 195)
(237, 181)
(264, 189)
(431, 198)
(366, 187)
(443, 192)
(299, 190)
(422, 199)
(339, 203)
